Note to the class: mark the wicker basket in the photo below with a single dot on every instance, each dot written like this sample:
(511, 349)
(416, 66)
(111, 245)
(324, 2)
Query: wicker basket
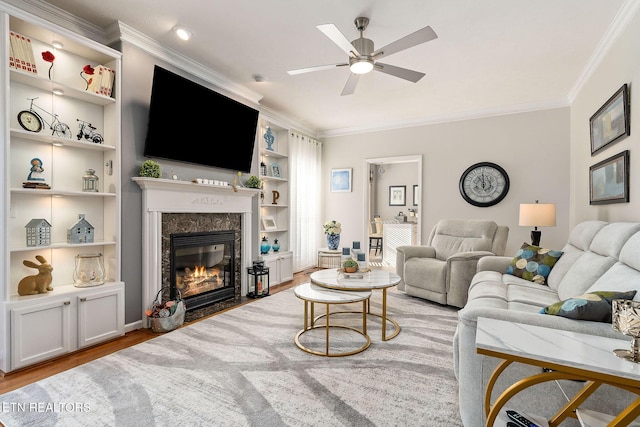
(164, 317)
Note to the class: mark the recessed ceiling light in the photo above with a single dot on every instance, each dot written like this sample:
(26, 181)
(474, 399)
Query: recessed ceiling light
(260, 78)
(182, 32)
(58, 92)
(57, 44)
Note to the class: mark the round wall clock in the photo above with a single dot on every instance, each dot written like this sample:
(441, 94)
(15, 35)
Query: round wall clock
(484, 184)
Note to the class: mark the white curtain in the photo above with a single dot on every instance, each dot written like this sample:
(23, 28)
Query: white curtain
(305, 155)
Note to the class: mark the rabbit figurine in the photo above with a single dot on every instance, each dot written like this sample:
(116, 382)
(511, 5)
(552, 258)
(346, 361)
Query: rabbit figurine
(39, 283)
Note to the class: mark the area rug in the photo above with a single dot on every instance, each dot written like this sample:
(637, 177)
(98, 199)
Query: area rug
(242, 368)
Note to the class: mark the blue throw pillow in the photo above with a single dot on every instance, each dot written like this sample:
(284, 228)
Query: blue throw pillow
(533, 263)
(594, 306)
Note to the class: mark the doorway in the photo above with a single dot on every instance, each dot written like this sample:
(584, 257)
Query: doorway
(398, 172)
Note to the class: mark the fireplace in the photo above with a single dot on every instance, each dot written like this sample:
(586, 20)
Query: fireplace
(172, 207)
(202, 267)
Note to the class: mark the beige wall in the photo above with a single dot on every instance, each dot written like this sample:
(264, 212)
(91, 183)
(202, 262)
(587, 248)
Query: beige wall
(532, 147)
(620, 65)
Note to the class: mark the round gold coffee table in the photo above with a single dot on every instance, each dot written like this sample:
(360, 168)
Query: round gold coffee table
(312, 294)
(366, 281)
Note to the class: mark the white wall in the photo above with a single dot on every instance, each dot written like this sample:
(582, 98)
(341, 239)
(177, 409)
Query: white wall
(532, 147)
(620, 65)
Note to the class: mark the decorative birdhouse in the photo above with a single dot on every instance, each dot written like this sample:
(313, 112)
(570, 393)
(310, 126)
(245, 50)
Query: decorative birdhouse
(80, 232)
(38, 232)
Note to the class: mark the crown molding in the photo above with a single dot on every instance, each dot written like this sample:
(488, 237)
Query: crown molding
(452, 117)
(46, 14)
(618, 25)
(136, 38)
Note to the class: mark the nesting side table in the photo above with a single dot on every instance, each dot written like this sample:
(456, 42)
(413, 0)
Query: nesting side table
(312, 294)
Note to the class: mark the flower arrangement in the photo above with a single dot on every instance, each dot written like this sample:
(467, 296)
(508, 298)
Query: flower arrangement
(166, 309)
(49, 57)
(332, 227)
(88, 70)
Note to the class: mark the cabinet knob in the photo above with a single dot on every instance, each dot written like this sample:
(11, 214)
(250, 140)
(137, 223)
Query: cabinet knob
(83, 299)
(67, 302)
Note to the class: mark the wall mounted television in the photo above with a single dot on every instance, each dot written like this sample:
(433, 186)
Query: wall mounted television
(191, 123)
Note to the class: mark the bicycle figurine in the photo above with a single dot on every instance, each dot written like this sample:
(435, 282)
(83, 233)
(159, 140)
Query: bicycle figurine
(33, 122)
(91, 134)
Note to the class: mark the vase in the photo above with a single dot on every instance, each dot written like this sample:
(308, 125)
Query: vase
(333, 241)
(275, 246)
(264, 245)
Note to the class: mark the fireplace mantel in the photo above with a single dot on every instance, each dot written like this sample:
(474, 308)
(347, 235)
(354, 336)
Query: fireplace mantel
(173, 196)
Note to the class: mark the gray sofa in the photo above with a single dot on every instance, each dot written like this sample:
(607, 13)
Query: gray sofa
(598, 256)
(441, 270)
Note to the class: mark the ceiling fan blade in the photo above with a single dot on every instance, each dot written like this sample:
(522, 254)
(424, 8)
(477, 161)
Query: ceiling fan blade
(403, 73)
(351, 84)
(316, 68)
(413, 39)
(338, 38)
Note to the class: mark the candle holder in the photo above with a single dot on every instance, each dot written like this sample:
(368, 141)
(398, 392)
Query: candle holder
(625, 318)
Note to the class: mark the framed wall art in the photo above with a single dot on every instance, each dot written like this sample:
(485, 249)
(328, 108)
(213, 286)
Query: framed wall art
(341, 180)
(416, 195)
(397, 195)
(275, 170)
(611, 122)
(269, 223)
(609, 180)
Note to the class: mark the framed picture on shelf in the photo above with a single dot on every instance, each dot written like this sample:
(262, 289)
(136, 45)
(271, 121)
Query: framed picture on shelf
(341, 180)
(269, 223)
(397, 195)
(416, 195)
(611, 122)
(275, 170)
(609, 180)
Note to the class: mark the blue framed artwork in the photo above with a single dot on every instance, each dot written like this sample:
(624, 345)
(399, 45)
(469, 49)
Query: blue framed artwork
(340, 180)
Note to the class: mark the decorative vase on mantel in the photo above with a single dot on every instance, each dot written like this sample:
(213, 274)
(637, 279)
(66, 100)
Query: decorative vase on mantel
(333, 241)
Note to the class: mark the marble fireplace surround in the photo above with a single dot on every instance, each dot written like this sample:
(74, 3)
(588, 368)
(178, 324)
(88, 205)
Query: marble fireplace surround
(172, 196)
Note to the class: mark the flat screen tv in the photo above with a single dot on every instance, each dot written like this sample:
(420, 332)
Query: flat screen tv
(191, 123)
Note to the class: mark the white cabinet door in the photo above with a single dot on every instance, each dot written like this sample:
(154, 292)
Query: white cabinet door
(286, 267)
(280, 267)
(100, 316)
(40, 332)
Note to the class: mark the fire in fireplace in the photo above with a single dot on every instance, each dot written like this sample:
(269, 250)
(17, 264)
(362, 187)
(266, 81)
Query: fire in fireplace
(203, 267)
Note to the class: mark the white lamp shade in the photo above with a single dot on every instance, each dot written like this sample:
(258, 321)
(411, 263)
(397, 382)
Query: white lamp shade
(537, 214)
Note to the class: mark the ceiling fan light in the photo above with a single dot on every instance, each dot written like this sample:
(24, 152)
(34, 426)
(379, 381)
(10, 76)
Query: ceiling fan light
(361, 66)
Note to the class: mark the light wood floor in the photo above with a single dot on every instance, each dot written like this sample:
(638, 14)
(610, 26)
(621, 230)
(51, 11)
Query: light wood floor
(22, 377)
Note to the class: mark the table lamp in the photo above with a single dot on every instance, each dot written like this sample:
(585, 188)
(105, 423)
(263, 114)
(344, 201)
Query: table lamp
(537, 215)
(625, 318)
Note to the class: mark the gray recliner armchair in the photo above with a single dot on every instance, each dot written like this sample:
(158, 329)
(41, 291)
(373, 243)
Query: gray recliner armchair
(441, 270)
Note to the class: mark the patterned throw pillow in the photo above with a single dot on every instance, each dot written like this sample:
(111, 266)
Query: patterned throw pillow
(594, 306)
(533, 263)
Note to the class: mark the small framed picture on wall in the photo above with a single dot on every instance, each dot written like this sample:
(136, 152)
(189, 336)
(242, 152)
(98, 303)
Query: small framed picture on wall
(341, 180)
(397, 195)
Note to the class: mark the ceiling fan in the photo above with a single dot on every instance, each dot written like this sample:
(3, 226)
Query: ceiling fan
(363, 58)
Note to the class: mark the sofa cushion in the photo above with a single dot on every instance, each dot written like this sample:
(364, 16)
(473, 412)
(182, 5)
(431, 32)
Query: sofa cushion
(583, 274)
(594, 306)
(620, 277)
(533, 263)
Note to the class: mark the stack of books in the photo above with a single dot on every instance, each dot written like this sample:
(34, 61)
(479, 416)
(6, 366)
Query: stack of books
(102, 81)
(21, 53)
